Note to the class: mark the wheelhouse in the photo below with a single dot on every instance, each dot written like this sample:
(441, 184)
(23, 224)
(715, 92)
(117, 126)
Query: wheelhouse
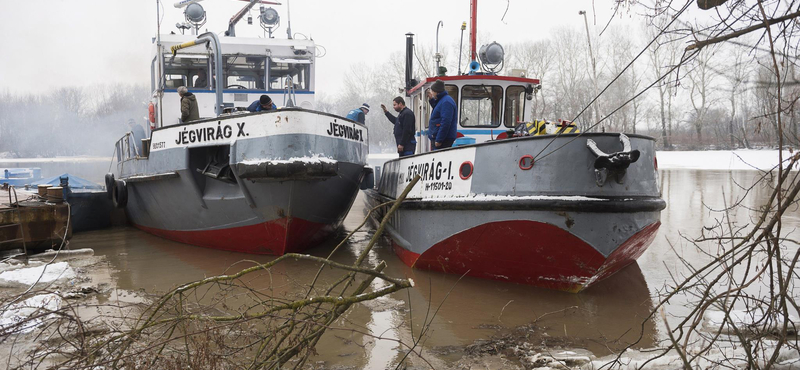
(282, 69)
(488, 106)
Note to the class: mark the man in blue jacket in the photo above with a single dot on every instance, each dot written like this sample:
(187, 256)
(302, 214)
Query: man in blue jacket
(443, 125)
(264, 103)
(359, 114)
(403, 126)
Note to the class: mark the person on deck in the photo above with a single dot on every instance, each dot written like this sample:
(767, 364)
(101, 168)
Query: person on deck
(403, 127)
(264, 103)
(189, 110)
(359, 114)
(443, 124)
(137, 133)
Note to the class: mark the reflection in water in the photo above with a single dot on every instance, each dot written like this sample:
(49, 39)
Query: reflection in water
(605, 317)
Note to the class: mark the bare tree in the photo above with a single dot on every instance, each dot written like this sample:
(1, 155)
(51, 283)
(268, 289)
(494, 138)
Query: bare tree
(737, 76)
(702, 84)
(535, 58)
(750, 274)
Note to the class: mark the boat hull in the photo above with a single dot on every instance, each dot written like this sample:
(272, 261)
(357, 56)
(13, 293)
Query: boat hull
(557, 230)
(280, 198)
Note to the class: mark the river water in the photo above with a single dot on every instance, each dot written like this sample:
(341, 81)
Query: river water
(602, 319)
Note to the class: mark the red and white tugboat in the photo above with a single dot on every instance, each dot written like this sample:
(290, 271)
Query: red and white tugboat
(557, 209)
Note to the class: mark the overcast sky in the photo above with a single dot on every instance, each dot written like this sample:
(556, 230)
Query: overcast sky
(46, 44)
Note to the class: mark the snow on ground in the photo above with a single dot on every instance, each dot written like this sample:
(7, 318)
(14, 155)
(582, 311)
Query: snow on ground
(720, 159)
(29, 275)
(33, 306)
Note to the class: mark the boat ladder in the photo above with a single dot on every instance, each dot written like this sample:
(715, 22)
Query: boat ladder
(14, 209)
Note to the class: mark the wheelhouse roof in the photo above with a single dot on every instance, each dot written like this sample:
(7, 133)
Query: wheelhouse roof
(469, 78)
(245, 45)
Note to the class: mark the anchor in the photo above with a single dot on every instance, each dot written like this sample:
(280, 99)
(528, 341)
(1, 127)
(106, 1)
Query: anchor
(615, 164)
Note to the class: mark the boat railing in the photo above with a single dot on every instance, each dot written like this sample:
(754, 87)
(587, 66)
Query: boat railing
(126, 149)
(290, 91)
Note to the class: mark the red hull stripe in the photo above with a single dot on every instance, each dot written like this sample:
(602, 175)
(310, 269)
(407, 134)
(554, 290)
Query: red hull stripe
(527, 252)
(276, 237)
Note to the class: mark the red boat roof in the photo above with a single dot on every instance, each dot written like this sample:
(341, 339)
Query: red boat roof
(474, 77)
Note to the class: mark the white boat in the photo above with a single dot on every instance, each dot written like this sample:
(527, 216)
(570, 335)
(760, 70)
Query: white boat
(270, 182)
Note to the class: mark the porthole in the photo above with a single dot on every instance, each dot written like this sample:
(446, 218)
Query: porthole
(465, 171)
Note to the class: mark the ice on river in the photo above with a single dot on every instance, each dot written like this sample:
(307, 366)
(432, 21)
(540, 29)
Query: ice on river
(788, 358)
(714, 321)
(22, 311)
(45, 273)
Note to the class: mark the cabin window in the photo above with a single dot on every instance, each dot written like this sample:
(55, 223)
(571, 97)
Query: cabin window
(244, 72)
(480, 105)
(515, 104)
(283, 71)
(185, 71)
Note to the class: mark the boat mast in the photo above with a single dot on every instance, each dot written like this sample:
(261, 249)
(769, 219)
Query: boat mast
(473, 29)
(160, 57)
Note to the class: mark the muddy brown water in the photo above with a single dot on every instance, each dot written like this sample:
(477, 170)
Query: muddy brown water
(603, 318)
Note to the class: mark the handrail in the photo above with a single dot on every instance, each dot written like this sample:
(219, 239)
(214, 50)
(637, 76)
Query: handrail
(206, 38)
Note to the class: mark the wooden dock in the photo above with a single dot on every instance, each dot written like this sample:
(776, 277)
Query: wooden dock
(26, 221)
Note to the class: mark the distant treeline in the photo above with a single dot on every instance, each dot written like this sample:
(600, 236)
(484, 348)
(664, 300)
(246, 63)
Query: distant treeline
(69, 121)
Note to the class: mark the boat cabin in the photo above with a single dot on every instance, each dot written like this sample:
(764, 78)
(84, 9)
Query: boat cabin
(280, 68)
(488, 106)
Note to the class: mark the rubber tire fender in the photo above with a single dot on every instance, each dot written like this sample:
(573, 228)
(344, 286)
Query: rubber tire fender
(110, 185)
(120, 197)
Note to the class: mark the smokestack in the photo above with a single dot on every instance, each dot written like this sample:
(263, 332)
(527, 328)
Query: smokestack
(409, 61)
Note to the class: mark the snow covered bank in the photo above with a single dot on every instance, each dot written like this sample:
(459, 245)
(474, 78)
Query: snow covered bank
(721, 159)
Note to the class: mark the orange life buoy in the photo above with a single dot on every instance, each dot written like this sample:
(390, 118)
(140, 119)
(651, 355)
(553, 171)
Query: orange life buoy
(152, 110)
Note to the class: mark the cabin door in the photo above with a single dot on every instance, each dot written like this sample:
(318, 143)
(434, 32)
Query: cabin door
(420, 106)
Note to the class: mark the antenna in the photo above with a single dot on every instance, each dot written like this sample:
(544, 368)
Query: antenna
(438, 55)
(289, 20)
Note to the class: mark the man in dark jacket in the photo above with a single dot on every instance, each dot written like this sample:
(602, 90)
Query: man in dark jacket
(264, 103)
(443, 124)
(403, 127)
(189, 110)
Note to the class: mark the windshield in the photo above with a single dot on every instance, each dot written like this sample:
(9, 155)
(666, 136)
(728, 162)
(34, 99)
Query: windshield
(282, 72)
(480, 105)
(244, 72)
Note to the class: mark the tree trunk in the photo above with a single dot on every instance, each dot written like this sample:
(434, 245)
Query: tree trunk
(664, 134)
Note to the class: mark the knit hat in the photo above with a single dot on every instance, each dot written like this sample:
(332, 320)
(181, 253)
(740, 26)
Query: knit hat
(265, 100)
(438, 86)
(365, 106)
